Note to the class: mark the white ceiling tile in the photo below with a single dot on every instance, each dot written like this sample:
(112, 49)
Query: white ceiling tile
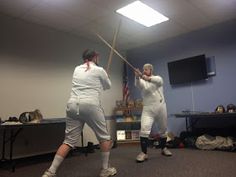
(217, 10)
(17, 7)
(86, 17)
(51, 24)
(111, 20)
(166, 30)
(88, 28)
(52, 16)
(84, 8)
(91, 29)
(85, 34)
(192, 21)
(112, 5)
(168, 7)
(183, 13)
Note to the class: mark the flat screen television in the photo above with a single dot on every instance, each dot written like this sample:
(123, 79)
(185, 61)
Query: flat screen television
(187, 70)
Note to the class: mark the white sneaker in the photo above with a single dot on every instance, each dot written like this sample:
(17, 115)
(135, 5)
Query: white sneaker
(48, 174)
(166, 152)
(111, 171)
(141, 157)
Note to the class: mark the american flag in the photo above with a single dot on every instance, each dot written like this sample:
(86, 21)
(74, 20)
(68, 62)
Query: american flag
(126, 93)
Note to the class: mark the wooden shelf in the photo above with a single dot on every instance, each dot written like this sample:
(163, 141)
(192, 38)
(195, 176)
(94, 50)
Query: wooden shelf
(128, 130)
(129, 109)
(131, 122)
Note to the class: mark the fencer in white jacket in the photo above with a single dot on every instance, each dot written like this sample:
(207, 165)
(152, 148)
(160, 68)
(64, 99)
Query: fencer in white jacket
(84, 106)
(154, 109)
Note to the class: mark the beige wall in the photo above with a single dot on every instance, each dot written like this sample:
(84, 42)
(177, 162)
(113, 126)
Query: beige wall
(36, 67)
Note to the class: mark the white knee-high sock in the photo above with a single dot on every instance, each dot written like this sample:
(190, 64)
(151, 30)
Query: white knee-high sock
(105, 159)
(56, 163)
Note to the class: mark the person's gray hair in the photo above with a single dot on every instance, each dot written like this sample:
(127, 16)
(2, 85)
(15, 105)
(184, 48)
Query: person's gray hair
(149, 66)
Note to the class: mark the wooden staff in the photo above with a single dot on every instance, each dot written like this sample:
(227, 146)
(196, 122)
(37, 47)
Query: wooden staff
(113, 46)
(114, 50)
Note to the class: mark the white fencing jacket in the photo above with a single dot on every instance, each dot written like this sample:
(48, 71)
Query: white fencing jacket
(87, 84)
(152, 92)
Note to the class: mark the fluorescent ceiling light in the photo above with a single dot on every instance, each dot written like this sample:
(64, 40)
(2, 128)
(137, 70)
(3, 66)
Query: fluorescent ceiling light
(142, 14)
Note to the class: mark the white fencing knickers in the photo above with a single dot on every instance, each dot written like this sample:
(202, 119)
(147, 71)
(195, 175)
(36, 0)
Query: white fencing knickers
(154, 113)
(82, 113)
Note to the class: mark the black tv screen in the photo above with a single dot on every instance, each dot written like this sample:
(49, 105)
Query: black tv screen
(187, 70)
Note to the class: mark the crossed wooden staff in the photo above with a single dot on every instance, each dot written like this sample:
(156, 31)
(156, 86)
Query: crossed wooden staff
(113, 50)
